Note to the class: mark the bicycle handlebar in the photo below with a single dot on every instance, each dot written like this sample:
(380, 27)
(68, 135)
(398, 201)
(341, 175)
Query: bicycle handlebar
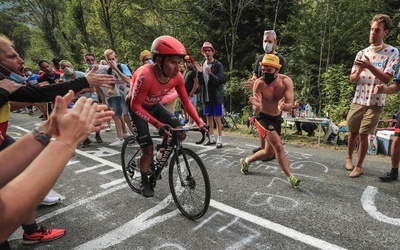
(204, 134)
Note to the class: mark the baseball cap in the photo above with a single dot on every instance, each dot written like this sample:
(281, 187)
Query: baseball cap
(189, 58)
(271, 60)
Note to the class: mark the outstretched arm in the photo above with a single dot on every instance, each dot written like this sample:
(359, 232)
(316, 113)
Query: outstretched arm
(26, 180)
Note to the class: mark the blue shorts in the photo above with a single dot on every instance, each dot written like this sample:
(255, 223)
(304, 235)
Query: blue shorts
(115, 103)
(212, 109)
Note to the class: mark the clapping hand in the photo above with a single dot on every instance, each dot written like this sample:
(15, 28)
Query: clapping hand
(198, 66)
(281, 104)
(72, 126)
(256, 100)
(378, 89)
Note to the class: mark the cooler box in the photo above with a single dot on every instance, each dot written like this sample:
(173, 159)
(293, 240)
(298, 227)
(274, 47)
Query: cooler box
(384, 138)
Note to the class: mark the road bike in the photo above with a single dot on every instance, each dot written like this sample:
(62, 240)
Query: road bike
(188, 178)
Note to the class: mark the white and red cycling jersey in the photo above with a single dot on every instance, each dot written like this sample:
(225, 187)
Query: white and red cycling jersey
(146, 91)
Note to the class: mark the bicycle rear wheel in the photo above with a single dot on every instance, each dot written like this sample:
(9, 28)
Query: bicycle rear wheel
(189, 184)
(130, 155)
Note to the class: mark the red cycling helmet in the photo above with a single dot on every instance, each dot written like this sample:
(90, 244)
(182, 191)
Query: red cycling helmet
(168, 46)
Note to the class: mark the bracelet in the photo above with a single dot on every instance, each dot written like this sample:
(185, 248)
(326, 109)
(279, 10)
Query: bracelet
(65, 144)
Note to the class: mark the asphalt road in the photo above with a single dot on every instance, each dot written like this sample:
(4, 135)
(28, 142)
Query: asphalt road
(258, 211)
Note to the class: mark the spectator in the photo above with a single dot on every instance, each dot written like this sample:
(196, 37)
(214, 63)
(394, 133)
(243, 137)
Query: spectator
(272, 94)
(269, 46)
(53, 141)
(191, 85)
(374, 65)
(145, 57)
(109, 96)
(69, 74)
(211, 77)
(14, 95)
(125, 73)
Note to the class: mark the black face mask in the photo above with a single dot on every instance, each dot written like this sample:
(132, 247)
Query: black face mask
(268, 77)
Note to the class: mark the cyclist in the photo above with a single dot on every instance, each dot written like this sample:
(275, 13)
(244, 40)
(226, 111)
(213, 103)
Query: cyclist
(150, 83)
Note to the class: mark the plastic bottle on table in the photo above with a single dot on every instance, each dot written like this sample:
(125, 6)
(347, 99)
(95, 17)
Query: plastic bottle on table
(308, 110)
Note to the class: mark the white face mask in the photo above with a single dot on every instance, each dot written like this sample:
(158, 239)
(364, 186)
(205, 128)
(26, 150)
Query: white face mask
(28, 73)
(149, 62)
(68, 71)
(13, 76)
(267, 47)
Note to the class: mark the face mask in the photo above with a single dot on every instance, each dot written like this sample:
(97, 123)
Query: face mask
(267, 47)
(28, 73)
(91, 66)
(376, 48)
(269, 77)
(13, 76)
(68, 71)
(148, 62)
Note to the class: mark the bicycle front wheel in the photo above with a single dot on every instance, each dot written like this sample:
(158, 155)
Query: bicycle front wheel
(189, 184)
(130, 156)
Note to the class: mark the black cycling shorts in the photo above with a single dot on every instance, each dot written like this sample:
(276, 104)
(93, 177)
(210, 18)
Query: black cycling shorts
(142, 127)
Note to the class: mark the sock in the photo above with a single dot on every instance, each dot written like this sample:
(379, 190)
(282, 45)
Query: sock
(30, 229)
(395, 170)
(219, 139)
(212, 138)
(246, 160)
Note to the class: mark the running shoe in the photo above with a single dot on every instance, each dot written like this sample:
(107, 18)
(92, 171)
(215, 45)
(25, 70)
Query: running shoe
(86, 143)
(117, 142)
(50, 200)
(108, 129)
(42, 234)
(188, 126)
(294, 182)
(98, 139)
(390, 176)
(244, 166)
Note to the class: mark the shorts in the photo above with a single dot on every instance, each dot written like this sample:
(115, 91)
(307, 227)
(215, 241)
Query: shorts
(397, 128)
(363, 119)
(142, 127)
(268, 123)
(125, 109)
(193, 100)
(115, 103)
(212, 109)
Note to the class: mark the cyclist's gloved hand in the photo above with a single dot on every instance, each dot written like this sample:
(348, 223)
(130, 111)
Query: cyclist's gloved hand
(205, 128)
(164, 130)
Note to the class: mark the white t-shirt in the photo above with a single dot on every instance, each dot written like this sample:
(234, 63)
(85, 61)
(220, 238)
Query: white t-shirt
(386, 60)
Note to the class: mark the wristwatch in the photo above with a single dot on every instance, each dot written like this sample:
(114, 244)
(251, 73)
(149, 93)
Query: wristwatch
(41, 136)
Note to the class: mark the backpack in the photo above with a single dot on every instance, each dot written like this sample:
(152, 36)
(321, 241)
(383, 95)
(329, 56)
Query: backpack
(120, 67)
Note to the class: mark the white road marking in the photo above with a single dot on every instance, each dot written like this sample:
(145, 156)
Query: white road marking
(112, 183)
(288, 232)
(368, 203)
(89, 168)
(131, 228)
(17, 234)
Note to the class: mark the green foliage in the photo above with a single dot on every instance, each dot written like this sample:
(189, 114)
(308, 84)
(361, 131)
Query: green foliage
(319, 39)
(337, 92)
